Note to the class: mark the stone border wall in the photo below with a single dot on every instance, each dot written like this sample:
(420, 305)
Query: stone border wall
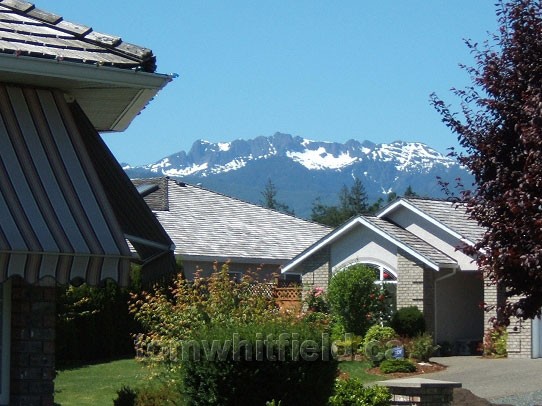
(32, 344)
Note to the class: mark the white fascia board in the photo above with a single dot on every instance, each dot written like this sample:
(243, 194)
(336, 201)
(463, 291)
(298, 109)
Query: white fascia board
(432, 220)
(332, 236)
(80, 72)
(335, 235)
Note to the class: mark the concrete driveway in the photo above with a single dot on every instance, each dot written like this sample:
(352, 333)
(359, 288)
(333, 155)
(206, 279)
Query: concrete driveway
(511, 381)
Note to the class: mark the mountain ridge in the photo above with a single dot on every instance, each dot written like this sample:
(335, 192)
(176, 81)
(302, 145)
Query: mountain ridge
(303, 170)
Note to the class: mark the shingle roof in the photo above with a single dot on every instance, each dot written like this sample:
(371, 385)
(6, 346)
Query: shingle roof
(28, 31)
(158, 200)
(203, 223)
(415, 243)
(452, 215)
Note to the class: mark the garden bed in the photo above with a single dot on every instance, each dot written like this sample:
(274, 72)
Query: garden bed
(421, 368)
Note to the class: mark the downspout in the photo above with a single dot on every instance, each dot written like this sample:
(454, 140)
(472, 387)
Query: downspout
(435, 296)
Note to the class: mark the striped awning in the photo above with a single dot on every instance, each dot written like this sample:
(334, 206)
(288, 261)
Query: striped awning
(56, 219)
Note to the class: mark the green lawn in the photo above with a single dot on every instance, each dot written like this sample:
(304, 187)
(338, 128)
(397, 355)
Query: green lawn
(358, 369)
(96, 384)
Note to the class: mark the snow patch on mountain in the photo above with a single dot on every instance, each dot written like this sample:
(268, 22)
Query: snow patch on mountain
(185, 171)
(321, 159)
(224, 146)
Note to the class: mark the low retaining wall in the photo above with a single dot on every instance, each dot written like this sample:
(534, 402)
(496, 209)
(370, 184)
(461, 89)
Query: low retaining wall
(420, 391)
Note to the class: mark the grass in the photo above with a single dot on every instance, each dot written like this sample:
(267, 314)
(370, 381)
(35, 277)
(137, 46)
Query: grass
(96, 384)
(358, 369)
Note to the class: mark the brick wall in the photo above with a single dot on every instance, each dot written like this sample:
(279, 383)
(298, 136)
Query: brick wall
(32, 344)
(519, 337)
(316, 270)
(415, 287)
(519, 331)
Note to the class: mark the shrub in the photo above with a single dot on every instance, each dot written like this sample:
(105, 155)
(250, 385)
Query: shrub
(378, 342)
(155, 395)
(408, 322)
(337, 329)
(379, 333)
(356, 299)
(264, 364)
(390, 366)
(351, 392)
(126, 396)
(348, 345)
(170, 316)
(159, 395)
(495, 342)
(421, 347)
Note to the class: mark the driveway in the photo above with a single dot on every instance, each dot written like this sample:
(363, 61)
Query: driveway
(509, 381)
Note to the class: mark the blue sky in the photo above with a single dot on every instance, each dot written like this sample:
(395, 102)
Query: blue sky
(323, 70)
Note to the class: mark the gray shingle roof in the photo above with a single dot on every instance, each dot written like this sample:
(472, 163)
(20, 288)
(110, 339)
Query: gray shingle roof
(203, 223)
(452, 215)
(417, 244)
(157, 201)
(28, 31)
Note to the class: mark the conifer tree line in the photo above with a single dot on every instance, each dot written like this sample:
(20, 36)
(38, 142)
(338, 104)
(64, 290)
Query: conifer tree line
(352, 201)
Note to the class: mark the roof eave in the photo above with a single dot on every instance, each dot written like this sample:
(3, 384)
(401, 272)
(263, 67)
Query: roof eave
(233, 259)
(89, 83)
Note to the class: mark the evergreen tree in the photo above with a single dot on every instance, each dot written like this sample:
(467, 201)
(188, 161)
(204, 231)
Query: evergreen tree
(352, 202)
(270, 201)
(409, 192)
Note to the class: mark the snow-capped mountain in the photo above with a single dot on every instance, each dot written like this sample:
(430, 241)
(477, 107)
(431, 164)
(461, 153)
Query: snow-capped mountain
(303, 170)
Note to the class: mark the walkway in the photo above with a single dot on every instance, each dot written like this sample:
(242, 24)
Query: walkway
(504, 381)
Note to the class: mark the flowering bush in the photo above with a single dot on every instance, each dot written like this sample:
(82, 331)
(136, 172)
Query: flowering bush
(495, 342)
(218, 343)
(172, 315)
(316, 300)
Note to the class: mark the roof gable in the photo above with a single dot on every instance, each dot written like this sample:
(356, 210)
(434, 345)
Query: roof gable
(448, 216)
(403, 239)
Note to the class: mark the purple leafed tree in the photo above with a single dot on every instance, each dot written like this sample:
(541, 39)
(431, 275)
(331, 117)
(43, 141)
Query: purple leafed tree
(500, 129)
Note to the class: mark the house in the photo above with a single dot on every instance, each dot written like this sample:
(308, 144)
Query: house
(207, 226)
(66, 207)
(414, 245)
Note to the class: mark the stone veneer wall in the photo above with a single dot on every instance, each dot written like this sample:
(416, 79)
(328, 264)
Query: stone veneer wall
(519, 337)
(519, 331)
(415, 287)
(316, 270)
(32, 344)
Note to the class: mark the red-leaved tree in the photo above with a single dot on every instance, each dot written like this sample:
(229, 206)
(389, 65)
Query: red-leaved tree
(500, 130)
